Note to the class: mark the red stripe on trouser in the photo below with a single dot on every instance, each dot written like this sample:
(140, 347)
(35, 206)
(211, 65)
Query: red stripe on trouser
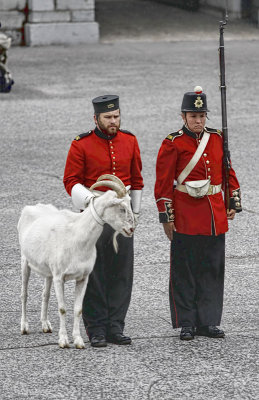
(172, 291)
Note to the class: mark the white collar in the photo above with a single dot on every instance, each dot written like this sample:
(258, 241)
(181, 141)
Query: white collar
(94, 213)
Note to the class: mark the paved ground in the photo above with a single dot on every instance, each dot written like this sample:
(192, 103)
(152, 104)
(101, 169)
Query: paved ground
(49, 105)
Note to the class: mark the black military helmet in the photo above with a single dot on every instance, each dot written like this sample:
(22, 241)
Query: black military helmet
(194, 101)
(105, 103)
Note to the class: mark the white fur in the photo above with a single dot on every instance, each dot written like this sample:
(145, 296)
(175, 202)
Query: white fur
(60, 246)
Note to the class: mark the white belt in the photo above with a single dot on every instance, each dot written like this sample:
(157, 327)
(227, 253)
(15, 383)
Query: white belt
(213, 189)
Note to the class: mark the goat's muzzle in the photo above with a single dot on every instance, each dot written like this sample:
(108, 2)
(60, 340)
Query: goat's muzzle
(129, 232)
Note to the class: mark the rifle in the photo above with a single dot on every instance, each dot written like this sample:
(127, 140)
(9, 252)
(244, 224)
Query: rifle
(226, 157)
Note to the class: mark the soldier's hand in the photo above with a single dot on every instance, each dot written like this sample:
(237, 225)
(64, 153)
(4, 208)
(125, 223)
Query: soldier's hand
(169, 228)
(136, 218)
(231, 214)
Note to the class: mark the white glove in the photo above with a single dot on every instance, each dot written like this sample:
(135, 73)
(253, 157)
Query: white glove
(136, 219)
(81, 196)
(136, 196)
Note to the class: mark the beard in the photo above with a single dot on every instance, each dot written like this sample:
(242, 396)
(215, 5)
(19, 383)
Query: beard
(110, 129)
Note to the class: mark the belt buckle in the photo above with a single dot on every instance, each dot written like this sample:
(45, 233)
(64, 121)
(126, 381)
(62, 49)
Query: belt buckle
(210, 191)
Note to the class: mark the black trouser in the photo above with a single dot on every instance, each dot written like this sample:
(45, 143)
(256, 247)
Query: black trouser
(196, 279)
(109, 288)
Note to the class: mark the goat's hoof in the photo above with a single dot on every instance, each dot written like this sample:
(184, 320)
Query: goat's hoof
(80, 346)
(46, 327)
(24, 328)
(47, 330)
(63, 343)
(79, 343)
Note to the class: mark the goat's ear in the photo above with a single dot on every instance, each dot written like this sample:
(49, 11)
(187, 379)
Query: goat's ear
(117, 201)
(110, 194)
(128, 188)
(114, 202)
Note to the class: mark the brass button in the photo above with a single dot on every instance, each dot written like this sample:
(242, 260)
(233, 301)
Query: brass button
(209, 177)
(207, 162)
(112, 152)
(111, 147)
(114, 168)
(237, 204)
(205, 154)
(113, 173)
(110, 142)
(114, 162)
(208, 169)
(113, 158)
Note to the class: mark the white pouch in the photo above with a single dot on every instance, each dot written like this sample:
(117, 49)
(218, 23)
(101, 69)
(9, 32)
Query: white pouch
(198, 189)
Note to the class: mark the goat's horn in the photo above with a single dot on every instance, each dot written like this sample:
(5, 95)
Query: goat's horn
(111, 178)
(113, 185)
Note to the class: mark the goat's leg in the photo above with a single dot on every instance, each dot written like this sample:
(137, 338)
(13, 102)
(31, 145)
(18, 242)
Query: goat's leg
(46, 325)
(79, 296)
(24, 294)
(59, 290)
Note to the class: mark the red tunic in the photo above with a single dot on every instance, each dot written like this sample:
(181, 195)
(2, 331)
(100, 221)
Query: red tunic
(94, 154)
(192, 216)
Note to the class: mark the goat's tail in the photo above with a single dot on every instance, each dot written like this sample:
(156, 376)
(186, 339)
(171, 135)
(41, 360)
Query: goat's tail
(115, 242)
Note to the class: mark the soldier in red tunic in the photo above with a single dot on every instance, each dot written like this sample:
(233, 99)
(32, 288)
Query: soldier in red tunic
(106, 150)
(188, 192)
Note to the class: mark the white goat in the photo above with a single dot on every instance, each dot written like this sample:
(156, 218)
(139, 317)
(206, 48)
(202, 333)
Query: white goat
(60, 246)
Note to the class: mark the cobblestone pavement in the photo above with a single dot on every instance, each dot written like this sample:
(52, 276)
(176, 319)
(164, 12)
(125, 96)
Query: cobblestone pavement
(50, 103)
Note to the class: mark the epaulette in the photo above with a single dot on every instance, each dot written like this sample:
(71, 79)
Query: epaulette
(211, 130)
(78, 137)
(174, 135)
(128, 132)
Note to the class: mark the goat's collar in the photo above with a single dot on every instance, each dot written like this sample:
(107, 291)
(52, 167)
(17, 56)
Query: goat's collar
(94, 213)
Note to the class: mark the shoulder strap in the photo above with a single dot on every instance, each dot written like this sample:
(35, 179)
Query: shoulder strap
(174, 135)
(78, 137)
(212, 130)
(195, 158)
(128, 132)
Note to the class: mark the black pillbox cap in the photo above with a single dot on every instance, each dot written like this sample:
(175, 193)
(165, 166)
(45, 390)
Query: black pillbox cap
(105, 103)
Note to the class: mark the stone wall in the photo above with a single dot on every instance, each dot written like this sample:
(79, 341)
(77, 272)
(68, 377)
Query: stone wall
(247, 9)
(46, 22)
(12, 17)
(218, 6)
(254, 12)
(60, 22)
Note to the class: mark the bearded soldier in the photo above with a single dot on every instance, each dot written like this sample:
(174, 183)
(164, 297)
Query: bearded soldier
(188, 192)
(107, 149)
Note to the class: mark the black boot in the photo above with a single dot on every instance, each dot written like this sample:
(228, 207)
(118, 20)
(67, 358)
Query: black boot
(187, 333)
(118, 338)
(98, 341)
(210, 331)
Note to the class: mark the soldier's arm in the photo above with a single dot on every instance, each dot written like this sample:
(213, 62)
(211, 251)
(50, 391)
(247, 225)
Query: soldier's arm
(234, 193)
(165, 173)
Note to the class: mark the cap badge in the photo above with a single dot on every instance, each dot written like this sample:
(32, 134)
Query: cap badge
(110, 105)
(198, 102)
